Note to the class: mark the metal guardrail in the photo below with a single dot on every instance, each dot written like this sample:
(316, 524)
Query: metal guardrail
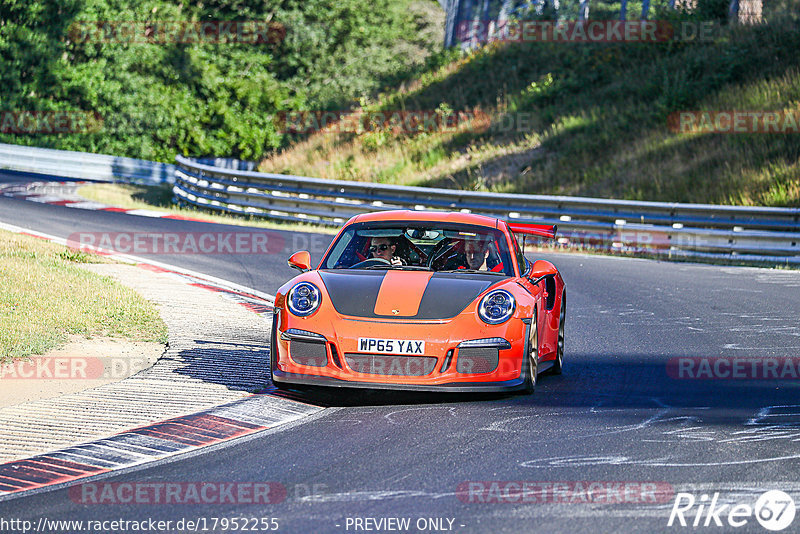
(670, 228)
(467, 21)
(681, 230)
(83, 165)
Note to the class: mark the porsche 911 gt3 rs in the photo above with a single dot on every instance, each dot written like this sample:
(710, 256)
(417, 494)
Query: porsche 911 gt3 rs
(426, 301)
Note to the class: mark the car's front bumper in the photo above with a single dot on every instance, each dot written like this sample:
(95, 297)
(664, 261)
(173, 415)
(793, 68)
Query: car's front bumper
(332, 358)
(506, 386)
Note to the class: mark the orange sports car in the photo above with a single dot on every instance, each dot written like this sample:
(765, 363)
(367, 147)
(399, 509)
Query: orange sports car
(422, 301)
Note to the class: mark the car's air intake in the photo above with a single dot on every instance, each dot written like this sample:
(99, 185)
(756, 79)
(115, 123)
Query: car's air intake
(477, 360)
(305, 353)
(384, 364)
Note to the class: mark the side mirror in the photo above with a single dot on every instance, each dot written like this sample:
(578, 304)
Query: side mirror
(528, 268)
(300, 261)
(540, 270)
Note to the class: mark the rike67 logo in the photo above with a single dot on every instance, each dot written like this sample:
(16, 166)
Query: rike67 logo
(774, 510)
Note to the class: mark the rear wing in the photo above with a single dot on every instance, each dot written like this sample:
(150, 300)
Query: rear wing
(542, 230)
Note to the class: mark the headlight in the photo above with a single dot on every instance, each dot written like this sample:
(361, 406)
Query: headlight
(497, 307)
(304, 299)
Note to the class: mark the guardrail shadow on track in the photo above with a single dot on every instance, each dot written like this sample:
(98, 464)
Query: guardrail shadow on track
(237, 366)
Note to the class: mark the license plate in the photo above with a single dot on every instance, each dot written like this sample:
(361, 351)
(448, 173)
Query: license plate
(391, 346)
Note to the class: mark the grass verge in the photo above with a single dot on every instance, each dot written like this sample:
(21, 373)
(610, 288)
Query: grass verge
(45, 297)
(596, 120)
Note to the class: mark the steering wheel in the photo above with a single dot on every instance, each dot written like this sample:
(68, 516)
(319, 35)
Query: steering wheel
(441, 248)
(421, 253)
(369, 262)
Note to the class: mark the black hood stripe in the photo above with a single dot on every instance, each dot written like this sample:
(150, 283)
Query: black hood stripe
(355, 293)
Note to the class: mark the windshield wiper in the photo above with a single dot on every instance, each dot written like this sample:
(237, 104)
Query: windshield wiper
(399, 267)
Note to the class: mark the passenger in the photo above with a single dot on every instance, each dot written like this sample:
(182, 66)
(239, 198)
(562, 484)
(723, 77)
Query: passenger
(477, 254)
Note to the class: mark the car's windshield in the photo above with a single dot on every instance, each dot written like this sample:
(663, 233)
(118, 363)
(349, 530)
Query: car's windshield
(421, 246)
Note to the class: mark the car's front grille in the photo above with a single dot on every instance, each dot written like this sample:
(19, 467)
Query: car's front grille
(305, 353)
(477, 360)
(390, 364)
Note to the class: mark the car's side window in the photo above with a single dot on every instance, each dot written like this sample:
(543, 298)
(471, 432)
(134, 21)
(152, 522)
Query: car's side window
(343, 253)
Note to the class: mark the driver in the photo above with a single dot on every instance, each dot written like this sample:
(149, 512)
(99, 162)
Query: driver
(383, 248)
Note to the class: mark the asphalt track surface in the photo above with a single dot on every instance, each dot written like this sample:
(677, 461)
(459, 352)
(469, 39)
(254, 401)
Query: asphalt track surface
(615, 415)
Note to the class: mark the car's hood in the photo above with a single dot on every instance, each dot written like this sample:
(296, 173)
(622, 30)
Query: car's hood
(404, 294)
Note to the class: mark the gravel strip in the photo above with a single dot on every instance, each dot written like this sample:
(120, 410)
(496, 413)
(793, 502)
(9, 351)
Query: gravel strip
(218, 352)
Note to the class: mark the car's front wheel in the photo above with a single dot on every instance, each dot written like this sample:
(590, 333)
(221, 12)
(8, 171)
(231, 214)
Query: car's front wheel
(531, 363)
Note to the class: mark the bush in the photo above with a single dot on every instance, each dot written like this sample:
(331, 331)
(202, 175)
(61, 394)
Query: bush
(155, 100)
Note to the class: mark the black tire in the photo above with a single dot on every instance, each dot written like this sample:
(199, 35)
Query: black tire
(530, 365)
(558, 365)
